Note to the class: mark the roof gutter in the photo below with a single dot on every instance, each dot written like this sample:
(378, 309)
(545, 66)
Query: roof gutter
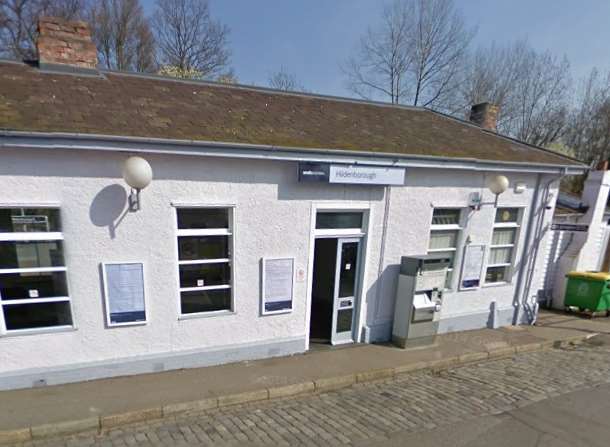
(76, 141)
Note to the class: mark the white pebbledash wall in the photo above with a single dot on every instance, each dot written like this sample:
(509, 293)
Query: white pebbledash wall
(272, 218)
(580, 251)
(409, 230)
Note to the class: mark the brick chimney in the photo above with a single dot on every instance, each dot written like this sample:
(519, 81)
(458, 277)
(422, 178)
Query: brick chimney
(64, 42)
(485, 115)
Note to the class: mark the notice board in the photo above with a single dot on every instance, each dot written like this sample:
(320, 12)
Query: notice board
(124, 293)
(277, 285)
(472, 266)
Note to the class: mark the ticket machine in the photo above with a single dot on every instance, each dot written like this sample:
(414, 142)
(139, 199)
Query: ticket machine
(419, 298)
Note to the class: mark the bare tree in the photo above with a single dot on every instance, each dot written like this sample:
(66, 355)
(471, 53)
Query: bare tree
(490, 75)
(122, 35)
(588, 131)
(18, 22)
(440, 43)
(282, 80)
(541, 98)
(532, 89)
(188, 37)
(414, 56)
(145, 48)
(228, 78)
(382, 61)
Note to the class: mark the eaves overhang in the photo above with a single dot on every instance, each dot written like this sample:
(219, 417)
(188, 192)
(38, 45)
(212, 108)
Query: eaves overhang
(92, 142)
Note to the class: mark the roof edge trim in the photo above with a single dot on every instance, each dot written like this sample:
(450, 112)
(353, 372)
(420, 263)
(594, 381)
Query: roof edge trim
(53, 140)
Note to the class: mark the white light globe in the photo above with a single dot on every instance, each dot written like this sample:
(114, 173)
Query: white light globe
(498, 184)
(137, 172)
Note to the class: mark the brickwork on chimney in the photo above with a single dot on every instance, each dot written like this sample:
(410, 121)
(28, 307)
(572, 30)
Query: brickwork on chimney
(65, 42)
(485, 115)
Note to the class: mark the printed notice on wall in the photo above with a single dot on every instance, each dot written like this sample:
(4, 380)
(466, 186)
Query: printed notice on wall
(472, 266)
(278, 285)
(124, 293)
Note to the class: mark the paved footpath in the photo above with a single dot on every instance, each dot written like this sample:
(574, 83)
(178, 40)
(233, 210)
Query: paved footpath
(366, 414)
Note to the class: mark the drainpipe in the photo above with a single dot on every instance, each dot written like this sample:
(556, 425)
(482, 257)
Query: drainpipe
(524, 278)
(384, 233)
(518, 299)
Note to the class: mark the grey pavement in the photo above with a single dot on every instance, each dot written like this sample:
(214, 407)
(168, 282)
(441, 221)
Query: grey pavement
(552, 397)
(63, 403)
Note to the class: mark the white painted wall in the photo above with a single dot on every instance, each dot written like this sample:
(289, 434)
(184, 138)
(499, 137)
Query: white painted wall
(595, 195)
(409, 223)
(272, 218)
(580, 251)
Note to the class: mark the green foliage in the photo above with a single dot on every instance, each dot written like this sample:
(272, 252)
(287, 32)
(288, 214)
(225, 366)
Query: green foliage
(176, 72)
(562, 148)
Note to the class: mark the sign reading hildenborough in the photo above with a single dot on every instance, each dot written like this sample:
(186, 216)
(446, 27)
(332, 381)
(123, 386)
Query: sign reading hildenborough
(351, 174)
(366, 175)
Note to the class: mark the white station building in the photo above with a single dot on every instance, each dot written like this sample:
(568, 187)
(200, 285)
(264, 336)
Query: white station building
(273, 220)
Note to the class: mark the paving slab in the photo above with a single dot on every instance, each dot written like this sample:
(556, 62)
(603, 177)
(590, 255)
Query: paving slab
(552, 322)
(143, 396)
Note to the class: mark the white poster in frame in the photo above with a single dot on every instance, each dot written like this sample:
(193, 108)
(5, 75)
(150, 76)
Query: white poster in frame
(472, 266)
(277, 285)
(124, 296)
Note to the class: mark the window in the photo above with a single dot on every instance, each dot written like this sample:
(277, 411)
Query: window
(204, 259)
(502, 248)
(33, 284)
(333, 220)
(445, 235)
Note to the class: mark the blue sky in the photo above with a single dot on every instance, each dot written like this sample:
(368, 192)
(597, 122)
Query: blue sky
(311, 37)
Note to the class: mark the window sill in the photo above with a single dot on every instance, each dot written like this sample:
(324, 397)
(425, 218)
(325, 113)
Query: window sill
(194, 316)
(506, 225)
(276, 312)
(445, 227)
(497, 284)
(41, 331)
(441, 250)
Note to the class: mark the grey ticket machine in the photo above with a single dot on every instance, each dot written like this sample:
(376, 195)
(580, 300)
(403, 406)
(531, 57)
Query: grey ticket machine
(419, 297)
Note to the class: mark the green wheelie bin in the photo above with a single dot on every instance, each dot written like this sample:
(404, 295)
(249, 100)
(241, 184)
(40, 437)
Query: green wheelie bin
(588, 291)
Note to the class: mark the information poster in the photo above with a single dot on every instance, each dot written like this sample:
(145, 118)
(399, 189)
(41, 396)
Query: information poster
(472, 266)
(124, 293)
(278, 285)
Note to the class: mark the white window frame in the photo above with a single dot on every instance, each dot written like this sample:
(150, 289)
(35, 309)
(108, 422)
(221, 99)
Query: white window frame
(230, 233)
(340, 232)
(508, 265)
(459, 228)
(35, 237)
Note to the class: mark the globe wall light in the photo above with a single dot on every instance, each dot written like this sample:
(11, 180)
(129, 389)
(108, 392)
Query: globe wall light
(138, 174)
(497, 185)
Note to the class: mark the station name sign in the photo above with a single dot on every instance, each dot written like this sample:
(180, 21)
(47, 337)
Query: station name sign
(350, 174)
